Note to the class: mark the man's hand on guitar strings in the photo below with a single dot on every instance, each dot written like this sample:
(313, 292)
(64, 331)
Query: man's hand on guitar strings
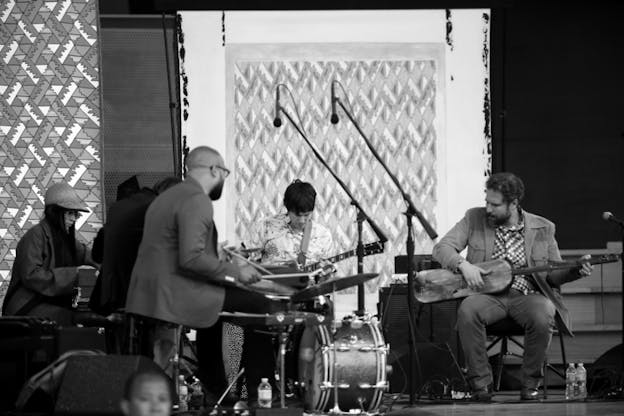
(473, 274)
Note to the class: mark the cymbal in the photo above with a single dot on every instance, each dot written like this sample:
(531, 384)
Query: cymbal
(269, 287)
(296, 280)
(331, 285)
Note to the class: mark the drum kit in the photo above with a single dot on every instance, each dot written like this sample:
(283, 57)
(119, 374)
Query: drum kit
(341, 365)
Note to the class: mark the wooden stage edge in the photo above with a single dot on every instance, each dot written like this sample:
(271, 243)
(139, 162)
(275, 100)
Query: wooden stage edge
(505, 403)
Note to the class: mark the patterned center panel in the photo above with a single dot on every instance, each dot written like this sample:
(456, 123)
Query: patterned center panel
(49, 114)
(394, 103)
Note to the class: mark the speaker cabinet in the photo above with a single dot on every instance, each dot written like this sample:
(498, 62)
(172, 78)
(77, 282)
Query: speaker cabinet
(94, 385)
(434, 330)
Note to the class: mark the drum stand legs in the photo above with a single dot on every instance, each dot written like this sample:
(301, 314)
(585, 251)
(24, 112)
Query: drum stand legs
(336, 408)
(283, 340)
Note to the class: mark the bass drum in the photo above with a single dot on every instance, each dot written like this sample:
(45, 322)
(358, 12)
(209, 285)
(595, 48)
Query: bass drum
(360, 366)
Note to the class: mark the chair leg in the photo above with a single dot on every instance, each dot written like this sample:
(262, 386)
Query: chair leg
(563, 353)
(499, 369)
(545, 370)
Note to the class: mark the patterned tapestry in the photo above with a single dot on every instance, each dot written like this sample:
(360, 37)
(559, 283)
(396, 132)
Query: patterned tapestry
(395, 104)
(49, 114)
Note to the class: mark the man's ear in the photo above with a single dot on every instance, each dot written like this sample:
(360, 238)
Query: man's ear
(125, 407)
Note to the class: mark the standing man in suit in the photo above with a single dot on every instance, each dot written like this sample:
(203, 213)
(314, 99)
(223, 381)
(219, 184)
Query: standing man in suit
(177, 276)
(503, 230)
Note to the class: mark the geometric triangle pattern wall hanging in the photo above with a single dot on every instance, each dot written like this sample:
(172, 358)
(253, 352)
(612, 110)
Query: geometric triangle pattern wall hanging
(49, 114)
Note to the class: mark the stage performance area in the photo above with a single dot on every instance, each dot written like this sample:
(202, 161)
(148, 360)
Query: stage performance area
(317, 208)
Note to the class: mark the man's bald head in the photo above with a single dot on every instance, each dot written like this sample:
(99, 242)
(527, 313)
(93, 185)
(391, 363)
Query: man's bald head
(206, 166)
(203, 157)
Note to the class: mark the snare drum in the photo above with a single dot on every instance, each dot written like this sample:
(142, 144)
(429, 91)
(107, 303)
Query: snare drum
(360, 360)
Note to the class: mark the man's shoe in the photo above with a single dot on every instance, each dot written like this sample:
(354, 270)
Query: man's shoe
(529, 393)
(484, 394)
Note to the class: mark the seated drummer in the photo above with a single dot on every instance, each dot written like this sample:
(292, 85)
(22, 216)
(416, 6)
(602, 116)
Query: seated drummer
(293, 238)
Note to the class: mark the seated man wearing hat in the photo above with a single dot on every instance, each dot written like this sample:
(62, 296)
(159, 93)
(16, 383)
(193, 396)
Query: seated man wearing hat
(47, 259)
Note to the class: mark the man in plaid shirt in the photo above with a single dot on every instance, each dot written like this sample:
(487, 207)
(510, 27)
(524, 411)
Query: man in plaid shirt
(503, 230)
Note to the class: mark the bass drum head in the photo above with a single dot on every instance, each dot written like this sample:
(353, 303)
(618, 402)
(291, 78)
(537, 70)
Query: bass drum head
(313, 366)
(360, 366)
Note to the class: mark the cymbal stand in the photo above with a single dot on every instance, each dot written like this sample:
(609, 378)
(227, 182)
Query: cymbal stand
(336, 408)
(410, 212)
(283, 340)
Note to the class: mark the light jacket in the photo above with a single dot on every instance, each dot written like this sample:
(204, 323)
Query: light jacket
(474, 232)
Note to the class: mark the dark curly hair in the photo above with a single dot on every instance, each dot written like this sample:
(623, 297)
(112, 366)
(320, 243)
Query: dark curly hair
(299, 197)
(508, 184)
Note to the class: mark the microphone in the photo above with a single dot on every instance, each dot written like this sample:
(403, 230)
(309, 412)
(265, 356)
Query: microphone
(607, 216)
(277, 121)
(334, 117)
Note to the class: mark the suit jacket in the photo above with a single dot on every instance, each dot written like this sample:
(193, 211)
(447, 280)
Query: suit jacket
(540, 245)
(177, 271)
(35, 278)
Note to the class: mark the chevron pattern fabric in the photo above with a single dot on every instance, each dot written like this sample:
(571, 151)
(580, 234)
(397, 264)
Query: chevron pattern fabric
(49, 114)
(394, 103)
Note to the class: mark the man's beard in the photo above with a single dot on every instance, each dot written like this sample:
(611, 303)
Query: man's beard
(498, 221)
(215, 193)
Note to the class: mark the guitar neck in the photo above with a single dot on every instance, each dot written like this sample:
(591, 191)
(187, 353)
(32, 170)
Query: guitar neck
(369, 249)
(338, 257)
(611, 258)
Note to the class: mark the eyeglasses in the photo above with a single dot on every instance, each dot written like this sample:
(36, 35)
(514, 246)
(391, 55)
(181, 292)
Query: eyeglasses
(226, 171)
(73, 213)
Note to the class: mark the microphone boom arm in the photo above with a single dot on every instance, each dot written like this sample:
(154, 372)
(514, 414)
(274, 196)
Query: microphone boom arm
(380, 235)
(411, 209)
(410, 212)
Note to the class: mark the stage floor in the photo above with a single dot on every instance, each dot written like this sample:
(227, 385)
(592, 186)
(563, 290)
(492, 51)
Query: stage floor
(506, 403)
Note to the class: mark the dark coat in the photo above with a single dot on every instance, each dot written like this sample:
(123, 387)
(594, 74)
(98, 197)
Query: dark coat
(121, 238)
(177, 273)
(35, 276)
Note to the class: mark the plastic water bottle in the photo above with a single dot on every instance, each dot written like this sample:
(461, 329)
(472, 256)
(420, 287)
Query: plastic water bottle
(581, 382)
(196, 401)
(570, 382)
(183, 394)
(265, 393)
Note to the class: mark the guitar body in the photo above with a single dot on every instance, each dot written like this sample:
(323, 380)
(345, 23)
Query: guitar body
(437, 285)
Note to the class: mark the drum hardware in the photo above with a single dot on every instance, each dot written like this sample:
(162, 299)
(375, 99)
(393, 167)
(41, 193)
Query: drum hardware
(363, 368)
(282, 320)
(331, 286)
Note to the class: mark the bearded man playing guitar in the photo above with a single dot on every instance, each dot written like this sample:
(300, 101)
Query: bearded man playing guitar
(503, 230)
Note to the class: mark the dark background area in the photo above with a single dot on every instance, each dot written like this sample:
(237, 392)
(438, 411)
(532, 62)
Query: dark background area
(556, 88)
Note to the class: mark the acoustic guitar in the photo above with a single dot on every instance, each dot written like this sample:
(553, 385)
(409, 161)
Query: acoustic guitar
(437, 285)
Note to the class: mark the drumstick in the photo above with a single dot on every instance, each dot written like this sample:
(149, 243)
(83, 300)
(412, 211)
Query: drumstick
(246, 260)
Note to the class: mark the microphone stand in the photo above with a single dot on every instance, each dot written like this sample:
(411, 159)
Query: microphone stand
(410, 212)
(621, 225)
(361, 214)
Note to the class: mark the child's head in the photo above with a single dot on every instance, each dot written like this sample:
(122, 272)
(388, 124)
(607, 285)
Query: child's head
(147, 393)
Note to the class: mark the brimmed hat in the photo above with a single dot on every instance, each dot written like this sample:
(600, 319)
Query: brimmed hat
(64, 196)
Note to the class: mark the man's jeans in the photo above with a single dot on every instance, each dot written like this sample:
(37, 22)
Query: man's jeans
(534, 312)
